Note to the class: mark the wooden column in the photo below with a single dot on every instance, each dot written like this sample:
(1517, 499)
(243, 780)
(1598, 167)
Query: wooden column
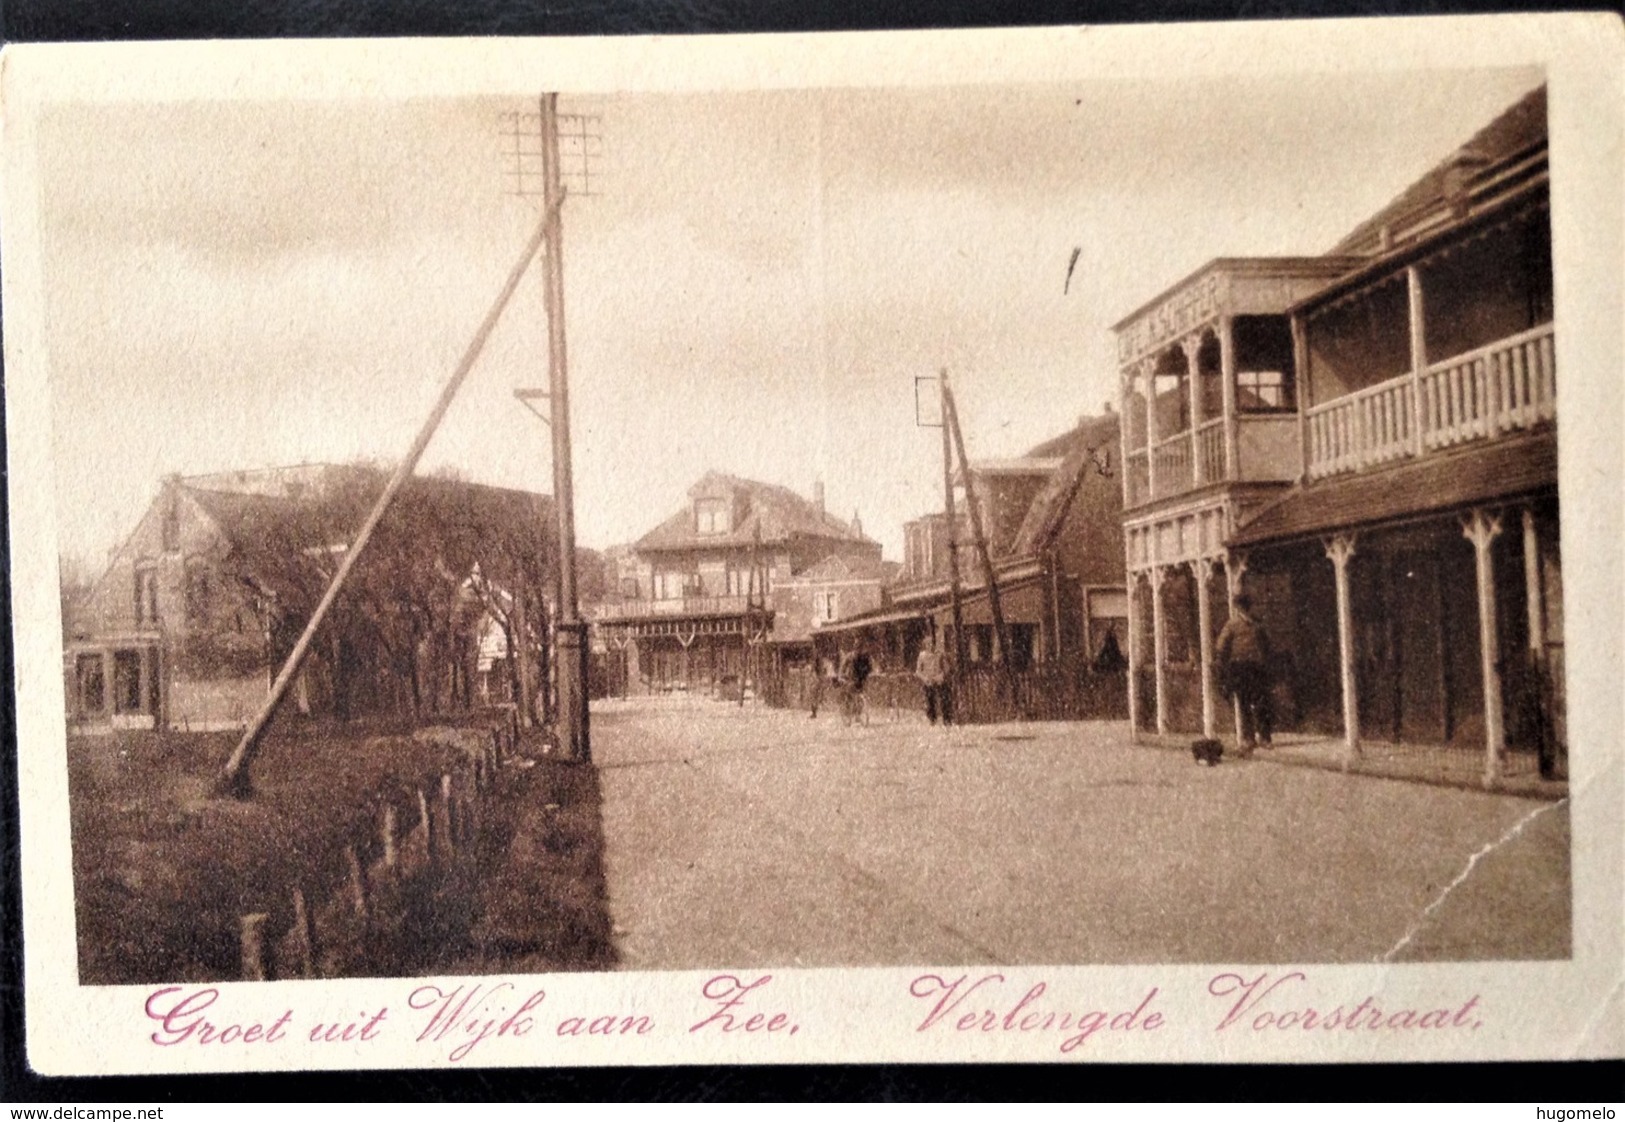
(1227, 393)
(1192, 346)
(1202, 570)
(1300, 384)
(1125, 395)
(1482, 528)
(1539, 683)
(1534, 601)
(1148, 372)
(1134, 656)
(1235, 568)
(1419, 353)
(1159, 645)
(1341, 550)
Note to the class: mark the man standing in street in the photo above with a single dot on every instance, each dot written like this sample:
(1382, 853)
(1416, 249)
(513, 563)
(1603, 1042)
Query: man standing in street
(1243, 664)
(932, 673)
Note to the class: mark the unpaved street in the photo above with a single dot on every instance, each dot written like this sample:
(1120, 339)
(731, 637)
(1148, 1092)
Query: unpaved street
(754, 837)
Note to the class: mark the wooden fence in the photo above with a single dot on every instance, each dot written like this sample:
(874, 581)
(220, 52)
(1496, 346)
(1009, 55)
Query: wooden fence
(1068, 690)
(355, 925)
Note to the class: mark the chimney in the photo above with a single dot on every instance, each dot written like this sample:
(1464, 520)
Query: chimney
(1458, 174)
(857, 525)
(818, 495)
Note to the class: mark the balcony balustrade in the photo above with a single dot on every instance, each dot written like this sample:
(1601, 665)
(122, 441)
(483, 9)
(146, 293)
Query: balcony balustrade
(1172, 470)
(1139, 478)
(1504, 387)
(675, 606)
(1210, 450)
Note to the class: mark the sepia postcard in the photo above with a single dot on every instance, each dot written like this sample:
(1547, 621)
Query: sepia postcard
(1065, 545)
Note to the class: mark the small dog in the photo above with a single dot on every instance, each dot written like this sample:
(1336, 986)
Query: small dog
(1207, 752)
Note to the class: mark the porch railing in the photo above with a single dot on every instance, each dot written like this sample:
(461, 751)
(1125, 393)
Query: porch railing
(1139, 478)
(1173, 465)
(1361, 430)
(1509, 385)
(676, 606)
(1506, 386)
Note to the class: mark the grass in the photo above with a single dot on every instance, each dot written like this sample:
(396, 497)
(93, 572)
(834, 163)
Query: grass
(163, 871)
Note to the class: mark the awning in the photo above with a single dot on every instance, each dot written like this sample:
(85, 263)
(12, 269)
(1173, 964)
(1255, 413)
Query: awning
(1498, 471)
(858, 623)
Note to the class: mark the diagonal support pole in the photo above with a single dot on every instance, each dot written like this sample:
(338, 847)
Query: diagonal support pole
(978, 532)
(234, 780)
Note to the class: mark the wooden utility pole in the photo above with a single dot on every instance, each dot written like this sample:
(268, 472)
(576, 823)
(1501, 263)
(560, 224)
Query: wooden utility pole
(1001, 638)
(234, 779)
(570, 630)
(953, 537)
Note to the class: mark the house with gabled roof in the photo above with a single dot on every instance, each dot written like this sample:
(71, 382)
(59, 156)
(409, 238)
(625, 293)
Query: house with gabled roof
(196, 608)
(701, 594)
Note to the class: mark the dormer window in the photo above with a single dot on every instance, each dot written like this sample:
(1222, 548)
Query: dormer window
(711, 516)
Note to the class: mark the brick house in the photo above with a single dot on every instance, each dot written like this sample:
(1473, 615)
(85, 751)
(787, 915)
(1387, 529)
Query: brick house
(199, 604)
(1053, 523)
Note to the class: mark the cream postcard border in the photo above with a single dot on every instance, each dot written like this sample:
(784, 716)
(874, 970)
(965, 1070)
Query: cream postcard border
(1524, 1010)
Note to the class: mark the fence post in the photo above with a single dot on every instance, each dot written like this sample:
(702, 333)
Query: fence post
(304, 938)
(426, 822)
(253, 946)
(391, 854)
(358, 881)
(448, 813)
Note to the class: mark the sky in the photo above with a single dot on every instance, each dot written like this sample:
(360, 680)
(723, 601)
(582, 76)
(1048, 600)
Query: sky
(754, 288)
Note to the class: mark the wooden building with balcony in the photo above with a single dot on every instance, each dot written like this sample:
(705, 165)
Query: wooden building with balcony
(1367, 442)
(698, 596)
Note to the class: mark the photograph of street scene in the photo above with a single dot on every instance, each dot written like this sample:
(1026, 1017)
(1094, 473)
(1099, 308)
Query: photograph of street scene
(1109, 523)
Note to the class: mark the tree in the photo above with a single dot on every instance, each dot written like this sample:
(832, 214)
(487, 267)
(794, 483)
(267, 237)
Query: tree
(401, 633)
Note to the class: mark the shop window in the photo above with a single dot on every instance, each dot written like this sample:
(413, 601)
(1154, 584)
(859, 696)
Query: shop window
(92, 683)
(127, 682)
(1023, 641)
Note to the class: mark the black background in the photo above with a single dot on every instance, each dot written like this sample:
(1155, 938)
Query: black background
(88, 20)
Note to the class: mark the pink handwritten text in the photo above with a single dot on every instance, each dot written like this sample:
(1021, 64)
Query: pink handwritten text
(1268, 1001)
(180, 1018)
(992, 1011)
(469, 1014)
(729, 993)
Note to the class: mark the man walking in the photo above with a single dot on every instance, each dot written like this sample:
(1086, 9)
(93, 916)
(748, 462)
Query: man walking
(932, 673)
(858, 672)
(1243, 664)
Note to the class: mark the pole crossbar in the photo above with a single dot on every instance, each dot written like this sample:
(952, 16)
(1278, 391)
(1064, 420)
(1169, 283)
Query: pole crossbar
(234, 780)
